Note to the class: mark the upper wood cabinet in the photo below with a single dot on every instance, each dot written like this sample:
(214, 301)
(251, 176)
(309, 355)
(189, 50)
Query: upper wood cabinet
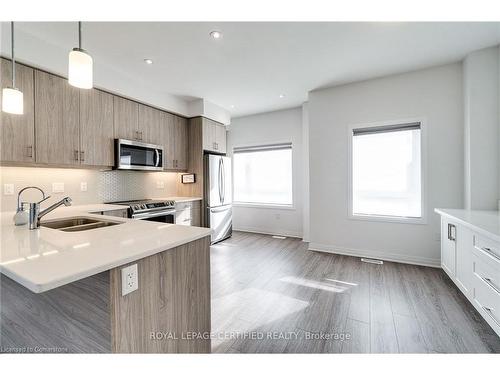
(175, 141)
(126, 118)
(150, 123)
(17, 131)
(57, 120)
(96, 128)
(214, 136)
(181, 143)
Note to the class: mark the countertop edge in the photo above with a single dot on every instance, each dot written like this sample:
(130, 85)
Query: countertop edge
(40, 288)
(484, 232)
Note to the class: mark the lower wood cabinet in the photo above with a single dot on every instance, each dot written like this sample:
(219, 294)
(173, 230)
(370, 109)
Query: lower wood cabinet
(17, 132)
(96, 128)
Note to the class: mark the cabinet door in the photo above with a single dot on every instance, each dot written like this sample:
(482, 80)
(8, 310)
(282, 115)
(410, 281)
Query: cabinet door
(181, 143)
(57, 120)
(96, 128)
(149, 124)
(17, 132)
(168, 137)
(220, 141)
(209, 133)
(126, 118)
(448, 246)
(464, 262)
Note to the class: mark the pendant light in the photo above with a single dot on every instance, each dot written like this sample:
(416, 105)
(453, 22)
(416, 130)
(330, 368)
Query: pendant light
(80, 65)
(12, 98)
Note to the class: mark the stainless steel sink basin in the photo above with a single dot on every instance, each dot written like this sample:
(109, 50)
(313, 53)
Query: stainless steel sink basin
(77, 224)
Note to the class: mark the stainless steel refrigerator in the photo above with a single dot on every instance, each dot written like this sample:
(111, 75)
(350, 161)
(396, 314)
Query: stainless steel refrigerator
(218, 196)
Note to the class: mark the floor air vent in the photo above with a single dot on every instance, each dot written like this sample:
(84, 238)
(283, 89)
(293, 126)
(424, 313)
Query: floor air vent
(279, 237)
(372, 261)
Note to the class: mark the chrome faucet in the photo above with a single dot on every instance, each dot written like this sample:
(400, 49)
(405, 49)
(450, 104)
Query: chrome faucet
(35, 214)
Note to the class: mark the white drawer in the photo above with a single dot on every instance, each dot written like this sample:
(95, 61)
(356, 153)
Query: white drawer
(487, 250)
(487, 292)
(183, 217)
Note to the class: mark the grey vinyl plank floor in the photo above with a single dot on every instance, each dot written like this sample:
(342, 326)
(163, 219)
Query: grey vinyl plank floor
(274, 296)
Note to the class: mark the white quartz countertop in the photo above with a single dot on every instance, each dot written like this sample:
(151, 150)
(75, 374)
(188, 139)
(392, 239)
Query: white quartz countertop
(45, 258)
(486, 223)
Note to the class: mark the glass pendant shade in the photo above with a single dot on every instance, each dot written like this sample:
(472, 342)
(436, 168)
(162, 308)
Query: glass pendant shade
(80, 69)
(12, 101)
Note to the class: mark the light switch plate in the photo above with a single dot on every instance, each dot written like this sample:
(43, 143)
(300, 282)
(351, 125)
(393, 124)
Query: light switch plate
(58, 187)
(8, 189)
(130, 280)
(83, 186)
(160, 184)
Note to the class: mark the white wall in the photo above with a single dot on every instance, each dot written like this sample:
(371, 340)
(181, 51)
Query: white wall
(434, 94)
(267, 128)
(481, 81)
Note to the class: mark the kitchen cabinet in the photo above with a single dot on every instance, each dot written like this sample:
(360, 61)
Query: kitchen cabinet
(448, 246)
(150, 123)
(175, 141)
(188, 213)
(470, 255)
(126, 118)
(180, 161)
(57, 120)
(18, 131)
(214, 136)
(96, 128)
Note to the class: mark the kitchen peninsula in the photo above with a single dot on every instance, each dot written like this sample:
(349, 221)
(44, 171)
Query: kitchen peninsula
(61, 291)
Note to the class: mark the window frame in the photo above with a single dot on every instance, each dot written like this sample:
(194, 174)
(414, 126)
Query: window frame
(423, 172)
(267, 205)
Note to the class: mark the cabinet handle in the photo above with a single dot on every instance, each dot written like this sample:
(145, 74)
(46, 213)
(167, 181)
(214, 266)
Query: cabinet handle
(488, 281)
(490, 252)
(140, 136)
(489, 311)
(76, 155)
(82, 155)
(30, 151)
(452, 232)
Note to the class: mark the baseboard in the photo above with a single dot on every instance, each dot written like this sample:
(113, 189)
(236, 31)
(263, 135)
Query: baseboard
(272, 233)
(390, 257)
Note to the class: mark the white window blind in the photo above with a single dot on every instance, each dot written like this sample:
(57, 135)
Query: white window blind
(263, 174)
(386, 171)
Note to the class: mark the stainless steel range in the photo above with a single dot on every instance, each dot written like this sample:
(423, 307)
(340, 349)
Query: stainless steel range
(149, 209)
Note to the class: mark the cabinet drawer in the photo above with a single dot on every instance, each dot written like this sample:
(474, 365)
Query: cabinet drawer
(487, 250)
(486, 275)
(183, 217)
(487, 300)
(183, 206)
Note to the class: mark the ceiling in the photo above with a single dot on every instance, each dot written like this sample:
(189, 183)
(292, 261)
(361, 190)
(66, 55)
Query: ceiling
(254, 63)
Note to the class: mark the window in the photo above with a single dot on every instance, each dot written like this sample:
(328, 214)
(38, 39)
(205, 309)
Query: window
(263, 174)
(386, 172)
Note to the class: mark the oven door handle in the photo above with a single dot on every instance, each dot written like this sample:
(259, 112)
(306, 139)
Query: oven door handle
(146, 215)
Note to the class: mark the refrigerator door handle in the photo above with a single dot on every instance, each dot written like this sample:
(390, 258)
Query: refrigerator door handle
(223, 174)
(220, 180)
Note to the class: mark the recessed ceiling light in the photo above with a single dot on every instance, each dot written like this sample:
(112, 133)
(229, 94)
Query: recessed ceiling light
(282, 96)
(232, 105)
(216, 34)
(148, 61)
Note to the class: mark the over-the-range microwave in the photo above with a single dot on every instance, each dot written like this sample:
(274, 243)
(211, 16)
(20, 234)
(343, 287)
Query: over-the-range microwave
(133, 155)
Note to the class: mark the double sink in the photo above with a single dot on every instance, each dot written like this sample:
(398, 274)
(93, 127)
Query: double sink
(78, 224)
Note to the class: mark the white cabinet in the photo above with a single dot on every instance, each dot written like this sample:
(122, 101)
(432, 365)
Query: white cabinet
(472, 261)
(448, 246)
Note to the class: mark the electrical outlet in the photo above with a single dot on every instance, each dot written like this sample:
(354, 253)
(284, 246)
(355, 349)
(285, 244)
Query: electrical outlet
(83, 186)
(278, 216)
(130, 280)
(160, 184)
(58, 187)
(8, 189)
